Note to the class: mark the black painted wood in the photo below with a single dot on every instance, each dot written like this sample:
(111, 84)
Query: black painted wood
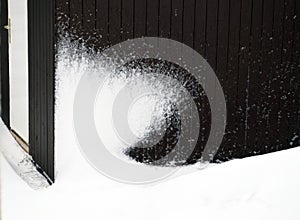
(212, 32)
(140, 18)
(4, 67)
(265, 79)
(115, 21)
(296, 59)
(127, 19)
(255, 70)
(222, 60)
(41, 83)
(102, 22)
(232, 146)
(200, 26)
(152, 18)
(287, 76)
(243, 80)
(165, 18)
(252, 45)
(177, 20)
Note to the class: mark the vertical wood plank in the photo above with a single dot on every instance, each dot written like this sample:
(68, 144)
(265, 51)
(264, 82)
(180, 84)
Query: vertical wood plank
(176, 20)
(244, 76)
(30, 76)
(102, 22)
(275, 118)
(89, 22)
(282, 56)
(50, 33)
(165, 18)
(115, 12)
(33, 147)
(200, 26)
(255, 71)
(211, 37)
(294, 126)
(140, 18)
(296, 59)
(4, 67)
(233, 63)
(76, 16)
(222, 57)
(287, 78)
(39, 148)
(223, 32)
(127, 19)
(252, 45)
(88, 15)
(152, 18)
(263, 115)
(62, 11)
(41, 83)
(212, 32)
(188, 22)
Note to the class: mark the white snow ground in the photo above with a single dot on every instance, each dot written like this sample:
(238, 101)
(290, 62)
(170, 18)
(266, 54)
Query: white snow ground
(263, 187)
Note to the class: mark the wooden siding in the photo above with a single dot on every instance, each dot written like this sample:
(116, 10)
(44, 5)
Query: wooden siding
(4, 67)
(41, 83)
(252, 45)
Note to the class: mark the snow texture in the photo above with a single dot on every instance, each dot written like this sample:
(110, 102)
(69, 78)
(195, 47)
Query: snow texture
(19, 160)
(160, 92)
(262, 188)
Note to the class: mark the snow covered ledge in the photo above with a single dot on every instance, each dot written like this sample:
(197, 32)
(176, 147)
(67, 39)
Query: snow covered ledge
(21, 161)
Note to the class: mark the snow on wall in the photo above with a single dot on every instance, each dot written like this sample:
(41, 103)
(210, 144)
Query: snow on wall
(73, 61)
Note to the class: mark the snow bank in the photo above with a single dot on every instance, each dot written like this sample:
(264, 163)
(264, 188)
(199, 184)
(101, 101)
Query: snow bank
(263, 187)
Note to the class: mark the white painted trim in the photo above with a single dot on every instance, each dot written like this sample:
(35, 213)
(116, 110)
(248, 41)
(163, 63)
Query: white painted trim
(18, 68)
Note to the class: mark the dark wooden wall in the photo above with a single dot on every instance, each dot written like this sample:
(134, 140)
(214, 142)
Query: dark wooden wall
(41, 83)
(4, 67)
(253, 46)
